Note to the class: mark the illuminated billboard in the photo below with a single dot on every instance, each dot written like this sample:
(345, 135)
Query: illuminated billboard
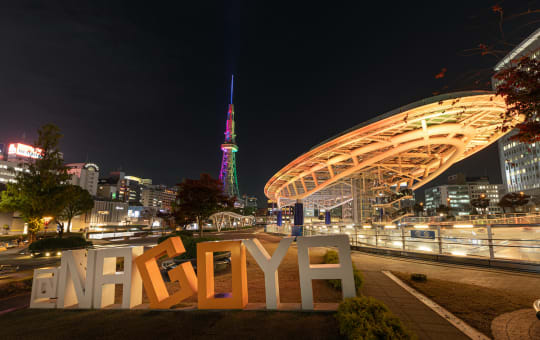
(24, 150)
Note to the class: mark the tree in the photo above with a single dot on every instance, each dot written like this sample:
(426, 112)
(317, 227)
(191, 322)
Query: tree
(167, 218)
(418, 208)
(246, 211)
(520, 87)
(77, 202)
(443, 209)
(513, 200)
(149, 214)
(481, 202)
(39, 190)
(198, 199)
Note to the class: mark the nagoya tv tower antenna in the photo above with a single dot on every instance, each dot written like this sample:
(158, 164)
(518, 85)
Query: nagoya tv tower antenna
(227, 175)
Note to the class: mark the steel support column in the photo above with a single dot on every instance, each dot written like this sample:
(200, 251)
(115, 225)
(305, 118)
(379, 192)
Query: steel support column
(297, 229)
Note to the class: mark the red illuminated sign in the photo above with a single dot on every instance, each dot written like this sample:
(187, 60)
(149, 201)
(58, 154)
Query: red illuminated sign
(24, 150)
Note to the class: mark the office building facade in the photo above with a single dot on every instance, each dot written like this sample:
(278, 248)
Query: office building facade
(520, 162)
(85, 175)
(159, 196)
(460, 192)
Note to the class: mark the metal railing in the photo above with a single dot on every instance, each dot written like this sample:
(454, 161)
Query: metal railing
(501, 241)
(512, 218)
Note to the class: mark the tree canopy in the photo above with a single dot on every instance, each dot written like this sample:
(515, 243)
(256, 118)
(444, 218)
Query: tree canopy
(77, 202)
(513, 200)
(39, 190)
(520, 87)
(197, 199)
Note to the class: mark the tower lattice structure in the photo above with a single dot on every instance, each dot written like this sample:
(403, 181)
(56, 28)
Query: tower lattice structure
(228, 175)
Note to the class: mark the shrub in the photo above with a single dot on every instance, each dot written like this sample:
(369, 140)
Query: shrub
(7, 238)
(185, 233)
(15, 288)
(366, 318)
(332, 257)
(190, 244)
(55, 243)
(419, 277)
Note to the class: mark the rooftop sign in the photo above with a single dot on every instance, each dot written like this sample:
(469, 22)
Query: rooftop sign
(24, 150)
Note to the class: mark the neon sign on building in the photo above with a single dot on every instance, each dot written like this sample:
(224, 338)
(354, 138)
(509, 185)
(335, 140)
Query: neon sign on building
(24, 150)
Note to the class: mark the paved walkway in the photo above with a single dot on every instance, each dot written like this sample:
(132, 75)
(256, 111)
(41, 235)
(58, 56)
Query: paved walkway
(521, 324)
(415, 315)
(524, 284)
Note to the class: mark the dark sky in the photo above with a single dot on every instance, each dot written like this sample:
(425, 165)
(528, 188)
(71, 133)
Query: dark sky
(142, 86)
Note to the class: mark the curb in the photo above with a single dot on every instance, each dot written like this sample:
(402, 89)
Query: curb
(454, 320)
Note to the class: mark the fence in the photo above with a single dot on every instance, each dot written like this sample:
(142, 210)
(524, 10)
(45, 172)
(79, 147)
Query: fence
(492, 241)
(513, 218)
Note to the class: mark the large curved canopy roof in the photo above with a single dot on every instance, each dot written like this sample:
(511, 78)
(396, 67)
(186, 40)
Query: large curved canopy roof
(412, 144)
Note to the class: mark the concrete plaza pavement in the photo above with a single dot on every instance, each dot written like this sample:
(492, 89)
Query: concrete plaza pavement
(415, 315)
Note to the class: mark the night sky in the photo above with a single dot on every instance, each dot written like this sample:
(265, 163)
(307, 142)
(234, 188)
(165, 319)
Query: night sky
(142, 86)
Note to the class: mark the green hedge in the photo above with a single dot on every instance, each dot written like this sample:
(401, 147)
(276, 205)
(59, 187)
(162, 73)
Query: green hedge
(7, 238)
(419, 277)
(190, 244)
(332, 257)
(56, 243)
(366, 318)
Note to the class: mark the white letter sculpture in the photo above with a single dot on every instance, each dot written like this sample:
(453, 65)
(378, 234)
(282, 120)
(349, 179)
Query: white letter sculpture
(106, 277)
(76, 279)
(308, 272)
(44, 287)
(269, 266)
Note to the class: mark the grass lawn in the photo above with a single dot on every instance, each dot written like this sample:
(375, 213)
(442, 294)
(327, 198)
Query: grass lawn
(116, 324)
(476, 305)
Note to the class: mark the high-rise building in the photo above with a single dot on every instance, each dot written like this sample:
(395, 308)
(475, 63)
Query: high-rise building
(460, 191)
(159, 196)
(85, 175)
(520, 162)
(250, 201)
(228, 175)
(123, 188)
(134, 189)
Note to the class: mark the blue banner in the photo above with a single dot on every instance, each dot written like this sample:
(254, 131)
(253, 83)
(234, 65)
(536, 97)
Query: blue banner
(428, 234)
(298, 214)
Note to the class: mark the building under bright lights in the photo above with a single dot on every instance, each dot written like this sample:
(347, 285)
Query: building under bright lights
(459, 193)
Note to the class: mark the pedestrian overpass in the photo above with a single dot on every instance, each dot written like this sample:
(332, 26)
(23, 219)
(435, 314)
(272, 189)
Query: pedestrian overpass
(229, 219)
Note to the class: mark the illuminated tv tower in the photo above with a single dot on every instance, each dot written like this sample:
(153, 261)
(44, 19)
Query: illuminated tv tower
(227, 175)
